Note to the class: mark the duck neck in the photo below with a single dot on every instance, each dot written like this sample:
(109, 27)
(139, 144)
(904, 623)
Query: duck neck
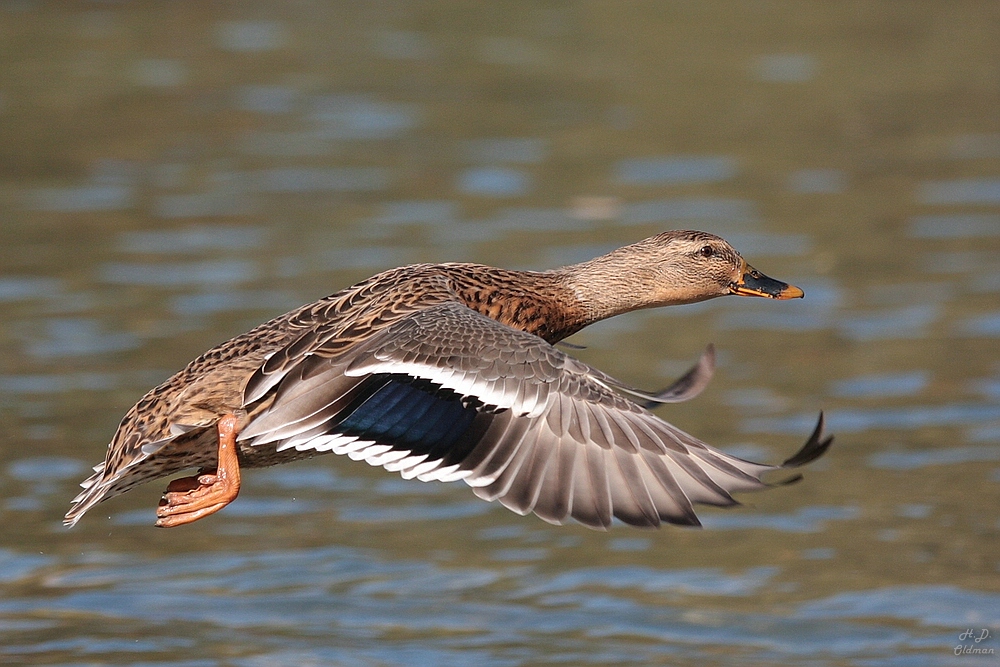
(603, 288)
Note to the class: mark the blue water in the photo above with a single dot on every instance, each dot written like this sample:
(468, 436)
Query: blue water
(339, 605)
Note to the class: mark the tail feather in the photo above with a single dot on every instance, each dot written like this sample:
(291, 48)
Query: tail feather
(93, 492)
(101, 486)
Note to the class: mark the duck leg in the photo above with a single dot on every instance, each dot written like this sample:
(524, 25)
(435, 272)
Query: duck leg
(190, 498)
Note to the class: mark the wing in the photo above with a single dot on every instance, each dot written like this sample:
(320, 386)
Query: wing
(446, 394)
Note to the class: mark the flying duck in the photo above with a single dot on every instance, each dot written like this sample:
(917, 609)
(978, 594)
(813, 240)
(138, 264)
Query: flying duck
(450, 372)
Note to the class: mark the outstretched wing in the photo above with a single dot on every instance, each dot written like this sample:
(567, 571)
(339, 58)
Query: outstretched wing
(446, 393)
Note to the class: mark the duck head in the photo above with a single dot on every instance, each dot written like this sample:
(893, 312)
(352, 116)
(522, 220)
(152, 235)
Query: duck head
(671, 268)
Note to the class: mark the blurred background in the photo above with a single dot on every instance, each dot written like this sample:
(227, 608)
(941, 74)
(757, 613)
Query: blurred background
(173, 173)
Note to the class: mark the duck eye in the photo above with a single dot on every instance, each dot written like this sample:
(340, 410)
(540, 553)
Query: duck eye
(707, 251)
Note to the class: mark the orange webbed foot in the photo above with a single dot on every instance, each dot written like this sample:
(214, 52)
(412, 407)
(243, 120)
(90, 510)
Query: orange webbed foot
(190, 498)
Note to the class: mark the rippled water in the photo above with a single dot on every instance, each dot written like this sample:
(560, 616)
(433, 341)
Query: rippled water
(170, 177)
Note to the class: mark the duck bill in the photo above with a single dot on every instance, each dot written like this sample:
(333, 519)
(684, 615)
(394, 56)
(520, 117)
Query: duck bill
(754, 283)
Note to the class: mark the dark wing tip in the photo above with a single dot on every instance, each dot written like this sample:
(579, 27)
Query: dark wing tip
(688, 385)
(814, 448)
(794, 479)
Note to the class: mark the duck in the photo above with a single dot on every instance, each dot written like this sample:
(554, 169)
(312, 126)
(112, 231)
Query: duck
(448, 372)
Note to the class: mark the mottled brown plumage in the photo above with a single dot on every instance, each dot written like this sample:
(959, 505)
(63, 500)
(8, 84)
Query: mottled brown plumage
(447, 371)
